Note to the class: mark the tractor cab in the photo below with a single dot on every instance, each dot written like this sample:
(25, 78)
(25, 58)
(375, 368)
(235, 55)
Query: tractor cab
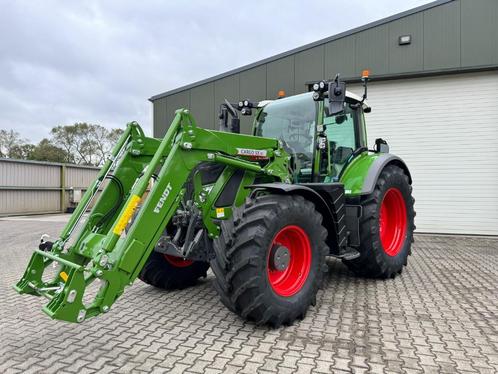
(321, 140)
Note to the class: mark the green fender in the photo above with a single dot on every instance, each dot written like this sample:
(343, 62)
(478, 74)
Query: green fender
(360, 176)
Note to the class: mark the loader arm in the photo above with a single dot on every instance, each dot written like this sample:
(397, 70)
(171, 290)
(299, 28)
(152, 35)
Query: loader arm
(102, 252)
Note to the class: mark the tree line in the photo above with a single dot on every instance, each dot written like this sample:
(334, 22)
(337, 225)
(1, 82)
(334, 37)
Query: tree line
(80, 143)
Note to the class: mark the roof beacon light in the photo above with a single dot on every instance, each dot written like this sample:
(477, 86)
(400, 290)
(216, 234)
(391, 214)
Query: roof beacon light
(364, 78)
(281, 93)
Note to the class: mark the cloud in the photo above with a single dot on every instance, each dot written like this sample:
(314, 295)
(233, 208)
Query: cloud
(99, 61)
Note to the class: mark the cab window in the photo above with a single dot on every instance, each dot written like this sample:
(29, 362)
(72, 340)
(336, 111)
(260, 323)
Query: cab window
(340, 131)
(292, 121)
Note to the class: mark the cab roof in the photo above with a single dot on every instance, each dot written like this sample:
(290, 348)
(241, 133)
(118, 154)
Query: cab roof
(349, 95)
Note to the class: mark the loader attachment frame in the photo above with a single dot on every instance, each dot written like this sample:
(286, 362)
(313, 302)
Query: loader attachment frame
(102, 251)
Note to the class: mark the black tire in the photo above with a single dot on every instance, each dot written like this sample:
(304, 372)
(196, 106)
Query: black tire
(161, 273)
(377, 260)
(242, 252)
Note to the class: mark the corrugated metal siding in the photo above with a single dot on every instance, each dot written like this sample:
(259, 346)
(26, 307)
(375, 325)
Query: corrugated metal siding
(35, 187)
(79, 177)
(28, 202)
(446, 129)
(24, 174)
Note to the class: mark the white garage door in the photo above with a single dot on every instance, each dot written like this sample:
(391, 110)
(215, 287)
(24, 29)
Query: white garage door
(446, 129)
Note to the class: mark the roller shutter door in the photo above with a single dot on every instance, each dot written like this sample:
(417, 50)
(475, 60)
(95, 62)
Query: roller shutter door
(446, 129)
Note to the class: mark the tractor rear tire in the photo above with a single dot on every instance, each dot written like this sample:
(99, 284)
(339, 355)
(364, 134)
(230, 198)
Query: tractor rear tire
(171, 273)
(386, 227)
(270, 259)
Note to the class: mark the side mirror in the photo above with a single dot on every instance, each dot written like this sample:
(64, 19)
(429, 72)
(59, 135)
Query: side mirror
(337, 96)
(381, 146)
(226, 110)
(223, 118)
(235, 125)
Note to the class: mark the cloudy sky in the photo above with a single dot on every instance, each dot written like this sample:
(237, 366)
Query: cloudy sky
(99, 61)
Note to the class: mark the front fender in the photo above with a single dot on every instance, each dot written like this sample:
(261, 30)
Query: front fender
(362, 173)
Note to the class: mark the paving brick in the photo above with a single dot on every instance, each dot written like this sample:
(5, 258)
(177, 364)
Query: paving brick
(439, 316)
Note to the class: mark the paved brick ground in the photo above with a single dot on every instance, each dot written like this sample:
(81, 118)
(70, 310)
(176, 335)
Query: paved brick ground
(439, 316)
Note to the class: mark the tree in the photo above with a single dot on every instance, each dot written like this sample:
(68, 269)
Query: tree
(104, 140)
(46, 151)
(22, 152)
(66, 138)
(85, 143)
(10, 141)
(81, 143)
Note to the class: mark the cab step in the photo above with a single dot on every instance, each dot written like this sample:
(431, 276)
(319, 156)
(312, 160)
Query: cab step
(348, 254)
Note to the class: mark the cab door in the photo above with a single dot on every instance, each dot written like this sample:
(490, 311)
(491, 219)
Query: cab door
(342, 134)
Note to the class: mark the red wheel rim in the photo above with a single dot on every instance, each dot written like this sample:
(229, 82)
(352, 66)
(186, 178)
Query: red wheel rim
(392, 221)
(290, 280)
(178, 261)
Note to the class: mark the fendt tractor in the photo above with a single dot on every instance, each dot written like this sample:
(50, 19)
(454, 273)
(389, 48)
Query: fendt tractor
(263, 211)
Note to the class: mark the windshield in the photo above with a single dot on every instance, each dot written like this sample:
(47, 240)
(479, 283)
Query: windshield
(291, 120)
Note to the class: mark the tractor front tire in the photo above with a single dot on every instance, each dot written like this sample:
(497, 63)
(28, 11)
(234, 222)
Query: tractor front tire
(170, 273)
(270, 259)
(386, 227)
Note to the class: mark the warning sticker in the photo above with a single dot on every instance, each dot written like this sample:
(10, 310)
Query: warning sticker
(220, 212)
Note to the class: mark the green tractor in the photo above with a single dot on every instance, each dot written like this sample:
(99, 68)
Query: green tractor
(263, 211)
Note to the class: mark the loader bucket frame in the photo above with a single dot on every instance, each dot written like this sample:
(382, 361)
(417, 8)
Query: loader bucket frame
(102, 251)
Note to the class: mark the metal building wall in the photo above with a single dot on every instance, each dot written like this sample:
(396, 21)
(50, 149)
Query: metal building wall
(30, 187)
(447, 36)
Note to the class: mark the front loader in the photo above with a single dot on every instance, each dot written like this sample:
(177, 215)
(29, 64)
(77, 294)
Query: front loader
(263, 211)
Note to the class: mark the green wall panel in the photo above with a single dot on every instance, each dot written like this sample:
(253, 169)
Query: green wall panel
(280, 76)
(159, 119)
(340, 57)
(253, 87)
(406, 58)
(309, 67)
(225, 88)
(479, 32)
(176, 101)
(372, 51)
(202, 105)
(253, 83)
(442, 36)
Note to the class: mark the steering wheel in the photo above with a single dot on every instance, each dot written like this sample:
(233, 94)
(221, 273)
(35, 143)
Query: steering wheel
(298, 159)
